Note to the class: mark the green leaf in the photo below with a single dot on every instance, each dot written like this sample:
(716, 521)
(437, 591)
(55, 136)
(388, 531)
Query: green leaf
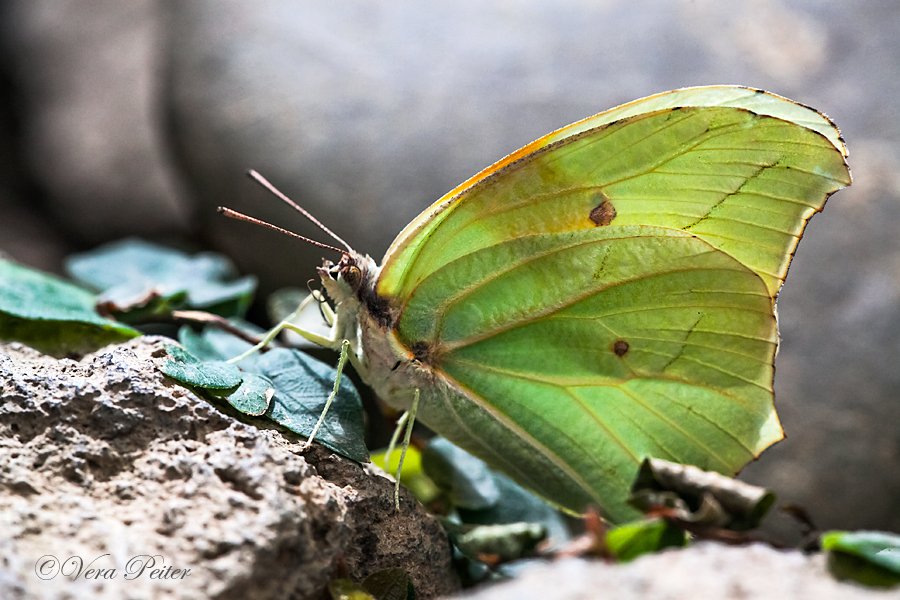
(214, 344)
(211, 375)
(302, 386)
(346, 589)
(411, 475)
(467, 481)
(247, 392)
(52, 315)
(503, 542)
(138, 279)
(388, 584)
(484, 496)
(630, 540)
(254, 395)
(519, 505)
(869, 557)
(199, 344)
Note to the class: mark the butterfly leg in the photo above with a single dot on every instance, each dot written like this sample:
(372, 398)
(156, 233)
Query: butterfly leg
(407, 420)
(327, 342)
(398, 429)
(287, 324)
(345, 348)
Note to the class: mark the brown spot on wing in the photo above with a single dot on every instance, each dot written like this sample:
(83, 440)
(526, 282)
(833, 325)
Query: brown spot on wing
(620, 347)
(603, 213)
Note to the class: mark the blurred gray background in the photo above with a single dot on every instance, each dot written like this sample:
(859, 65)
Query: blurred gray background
(140, 117)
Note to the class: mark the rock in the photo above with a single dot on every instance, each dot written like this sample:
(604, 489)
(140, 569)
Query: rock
(29, 239)
(705, 571)
(87, 79)
(26, 234)
(366, 114)
(107, 464)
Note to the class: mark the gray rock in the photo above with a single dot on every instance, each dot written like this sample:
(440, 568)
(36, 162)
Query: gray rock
(29, 239)
(365, 114)
(105, 460)
(836, 378)
(87, 77)
(706, 571)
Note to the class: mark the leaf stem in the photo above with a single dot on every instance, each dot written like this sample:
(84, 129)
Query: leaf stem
(199, 316)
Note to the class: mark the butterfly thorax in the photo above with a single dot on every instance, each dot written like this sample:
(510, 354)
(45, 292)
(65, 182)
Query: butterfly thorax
(367, 321)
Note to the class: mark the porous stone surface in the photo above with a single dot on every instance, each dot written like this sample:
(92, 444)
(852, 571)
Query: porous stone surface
(107, 464)
(705, 571)
(86, 80)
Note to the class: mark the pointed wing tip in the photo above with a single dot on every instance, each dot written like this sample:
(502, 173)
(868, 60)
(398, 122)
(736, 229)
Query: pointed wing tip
(770, 433)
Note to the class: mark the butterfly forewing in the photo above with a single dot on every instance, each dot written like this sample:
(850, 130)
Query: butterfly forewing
(745, 183)
(754, 100)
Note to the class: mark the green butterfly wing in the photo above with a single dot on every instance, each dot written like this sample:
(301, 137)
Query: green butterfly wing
(741, 168)
(607, 293)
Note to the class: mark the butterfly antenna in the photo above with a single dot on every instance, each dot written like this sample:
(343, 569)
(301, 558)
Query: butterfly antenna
(265, 183)
(242, 217)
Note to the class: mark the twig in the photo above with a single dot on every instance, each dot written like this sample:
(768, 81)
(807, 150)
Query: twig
(199, 316)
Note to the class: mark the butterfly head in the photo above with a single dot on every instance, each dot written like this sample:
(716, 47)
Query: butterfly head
(349, 277)
(352, 282)
(346, 273)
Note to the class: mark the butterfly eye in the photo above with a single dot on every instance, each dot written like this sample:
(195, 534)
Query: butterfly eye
(352, 275)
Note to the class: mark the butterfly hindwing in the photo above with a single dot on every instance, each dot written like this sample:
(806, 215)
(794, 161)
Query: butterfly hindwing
(607, 345)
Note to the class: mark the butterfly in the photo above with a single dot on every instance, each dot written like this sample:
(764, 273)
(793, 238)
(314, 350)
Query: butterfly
(602, 295)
